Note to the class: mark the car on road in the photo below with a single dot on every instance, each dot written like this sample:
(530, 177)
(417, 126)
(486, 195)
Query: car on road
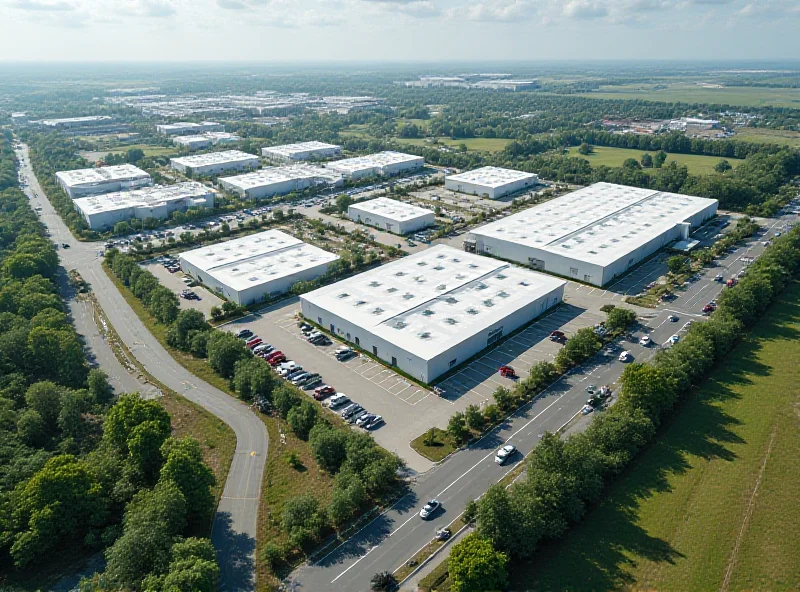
(504, 454)
(244, 334)
(645, 341)
(719, 278)
(625, 356)
(442, 534)
(65, 245)
(708, 309)
(587, 409)
(429, 509)
(675, 338)
(672, 319)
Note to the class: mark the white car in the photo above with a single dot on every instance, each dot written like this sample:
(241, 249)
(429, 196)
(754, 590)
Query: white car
(428, 509)
(504, 454)
(624, 356)
(587, 409)
(675, 338)
(687, 325)
(645, 341)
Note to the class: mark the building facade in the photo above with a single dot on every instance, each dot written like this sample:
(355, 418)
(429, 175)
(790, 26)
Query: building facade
(491, 182)
(391, 215)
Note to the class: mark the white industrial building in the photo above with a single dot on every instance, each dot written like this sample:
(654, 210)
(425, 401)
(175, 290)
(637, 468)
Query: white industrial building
(206, 140)
(594, 234)
(103, 211)
(83, 182)
(71, 122)
(433, 310)
(385, 164)
(491, 182)
(246, 270)
(302, 151)
(189, 128)
(214, 163)
(271, 181)
(392, 215)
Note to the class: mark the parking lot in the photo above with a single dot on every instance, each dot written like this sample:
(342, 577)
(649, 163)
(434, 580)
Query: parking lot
(174, 281)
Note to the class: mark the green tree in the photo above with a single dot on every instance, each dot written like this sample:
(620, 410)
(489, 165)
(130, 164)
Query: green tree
(475, 566)
(31, 428)
(99, 388)
(504, 398)
(474, 417)
(620, 319)
(134, 155)
(163, 304)
(253, 378)
(328, 446)
(45, 398)
(723, 166)
(343, 201)
(348, 496)
(224, 350)
(659, 159)
(303, 520)
(183, 464)
(302, 418)
(122, 228)
(585, 149)
(192, 568)
(647, 160)
(678, 264)
(127, 414)
(457, 428)
(646, 387)
(631, 164)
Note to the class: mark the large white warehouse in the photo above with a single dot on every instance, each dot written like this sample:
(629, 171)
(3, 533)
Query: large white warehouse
(206, 140)
(392, 215)
(300, 151)
(82, 182)
(385, 164)
(247, 269)
(185, 128)
(103, 211)
(280, 180)
(213, 163)
(594, 234)
(491, 182)
(433, 310)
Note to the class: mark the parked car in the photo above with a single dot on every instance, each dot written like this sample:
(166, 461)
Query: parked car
(343, 356)
(252, 339)
(625, 356)
(311, 383)
(645, 341)
(319, 340)
(364, 419)
(253, 342)
(351, 410)
(244, 334)
(557, 336)
(356, 416)
(261, 347)
(323, 391)
(376, 421)
(587, 409)
(276, 360)
(675, 338)
(338, 400)
(429, 509)
(672, 319)
(299, 378)
(507, 372)
(274, 354)
(504, 453)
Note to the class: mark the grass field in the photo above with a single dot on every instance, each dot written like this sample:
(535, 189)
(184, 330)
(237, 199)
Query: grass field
(472, 144)
(94, 156)
(768, 136)
(694, 93)
(614, 157)
(712, 503)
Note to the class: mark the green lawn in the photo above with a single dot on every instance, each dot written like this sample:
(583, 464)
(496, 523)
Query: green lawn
(96, 155)
(472, 144)
(726, 465)
(768, 136)
(614, 157)
(694, 93)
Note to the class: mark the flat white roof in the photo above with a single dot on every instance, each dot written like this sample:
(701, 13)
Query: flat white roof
(109, 174)
(392, 209)
(272, 175)
(256, 259)
(428, 302)
(145, 197)
(291, 150)
(377, 160)
(185, 125)
(490, 176)
(597, 224)
(87, 119)
(212, 158)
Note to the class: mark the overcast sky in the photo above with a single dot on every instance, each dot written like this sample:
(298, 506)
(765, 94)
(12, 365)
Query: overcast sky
(397, 30)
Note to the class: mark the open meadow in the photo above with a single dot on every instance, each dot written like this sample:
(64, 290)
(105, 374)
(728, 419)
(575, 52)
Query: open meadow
(614, 157)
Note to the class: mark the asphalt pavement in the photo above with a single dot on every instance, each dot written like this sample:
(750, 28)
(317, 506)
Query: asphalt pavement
(234, 529)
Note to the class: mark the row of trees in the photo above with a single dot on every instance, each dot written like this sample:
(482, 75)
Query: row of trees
(565, 476)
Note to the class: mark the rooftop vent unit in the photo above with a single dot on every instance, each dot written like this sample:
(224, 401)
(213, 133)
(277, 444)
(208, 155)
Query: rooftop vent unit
(427, 312)
(392, 290)
(451, 300)
(472, 311)
(439, 268)
(488, 303)
(360, 303)
(503, 294)
(407, 296)
(374, 284)
(500, 276)
(378, 310)
(425, 335)
(400, 273)
(441, 287)
(451, 321)
(400, 324)
(343, 295)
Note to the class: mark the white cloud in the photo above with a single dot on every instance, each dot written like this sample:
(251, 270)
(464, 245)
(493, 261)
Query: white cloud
(494, 10)
(34, 5)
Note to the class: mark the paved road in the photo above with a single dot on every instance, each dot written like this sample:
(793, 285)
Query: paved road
(391, 539)
(234, 528)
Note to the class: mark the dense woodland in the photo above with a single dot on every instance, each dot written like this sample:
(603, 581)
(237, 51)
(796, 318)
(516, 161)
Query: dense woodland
(79, 471)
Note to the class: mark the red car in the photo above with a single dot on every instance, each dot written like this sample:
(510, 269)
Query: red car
(276, 360)
(557, 336)
(507, 372)
(276, 353)
(253, 339)
(253, 342)
(321, 392)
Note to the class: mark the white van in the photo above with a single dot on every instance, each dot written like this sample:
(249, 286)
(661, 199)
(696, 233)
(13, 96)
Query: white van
(624, 356)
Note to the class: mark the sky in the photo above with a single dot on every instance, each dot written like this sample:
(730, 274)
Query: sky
(397, 30)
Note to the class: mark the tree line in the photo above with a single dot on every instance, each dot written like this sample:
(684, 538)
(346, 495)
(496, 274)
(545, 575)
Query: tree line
(565, 476)
(78, 471)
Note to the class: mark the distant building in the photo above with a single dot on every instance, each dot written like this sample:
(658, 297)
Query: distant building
(103, 211)
(383, 164)
(491, 182)
(206, 140)
(271, 181)
(215, 163)
(73, 122)
(299, 152)
(187, 128)
(83, 182)
(392, 215)
(245, 270)
(594, 234)
(507, 84)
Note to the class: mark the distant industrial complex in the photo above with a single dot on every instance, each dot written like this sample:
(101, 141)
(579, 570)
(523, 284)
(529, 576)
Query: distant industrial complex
(83, 182)
(186, 128)
(428, 312)
(384, 164)
(247, 269)
(280, 180)
(298, 152)
(101, 212)
(594, 234)
(392, 215)
(205, 140)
